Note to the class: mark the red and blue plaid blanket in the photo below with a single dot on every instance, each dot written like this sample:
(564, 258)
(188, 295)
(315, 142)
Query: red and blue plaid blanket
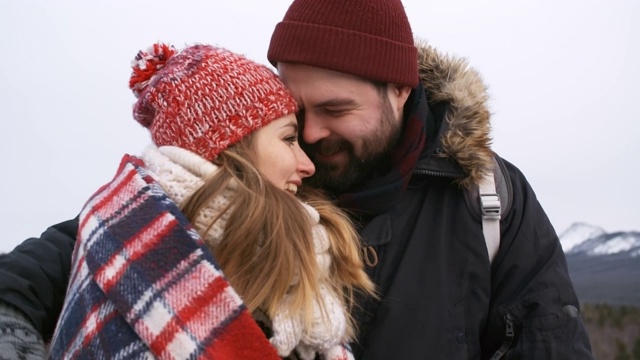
(144, 285)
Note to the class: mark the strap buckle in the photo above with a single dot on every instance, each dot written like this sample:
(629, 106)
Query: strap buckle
(490, 206)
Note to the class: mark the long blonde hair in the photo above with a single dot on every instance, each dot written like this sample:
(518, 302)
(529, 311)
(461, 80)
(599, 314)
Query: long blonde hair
(268, 239)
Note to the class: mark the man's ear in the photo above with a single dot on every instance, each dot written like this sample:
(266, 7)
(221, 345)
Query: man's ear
(400, 93)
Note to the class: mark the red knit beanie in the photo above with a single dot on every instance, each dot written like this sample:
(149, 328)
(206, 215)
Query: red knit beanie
(371, 39)
(204, 98)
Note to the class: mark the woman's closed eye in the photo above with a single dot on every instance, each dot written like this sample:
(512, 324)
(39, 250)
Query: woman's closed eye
(291, 139)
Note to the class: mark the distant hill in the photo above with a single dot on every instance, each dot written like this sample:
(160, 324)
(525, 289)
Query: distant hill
(604, 267)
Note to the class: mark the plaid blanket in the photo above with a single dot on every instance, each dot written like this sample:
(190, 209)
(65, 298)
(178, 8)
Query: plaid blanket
(143, 285)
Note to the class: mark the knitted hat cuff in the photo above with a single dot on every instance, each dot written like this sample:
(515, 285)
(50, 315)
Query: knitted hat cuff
(356, 53)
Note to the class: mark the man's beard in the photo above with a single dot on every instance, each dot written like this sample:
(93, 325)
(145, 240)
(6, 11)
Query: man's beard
(376, 154)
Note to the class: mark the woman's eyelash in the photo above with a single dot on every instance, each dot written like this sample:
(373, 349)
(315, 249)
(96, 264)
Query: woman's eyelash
(291, 139)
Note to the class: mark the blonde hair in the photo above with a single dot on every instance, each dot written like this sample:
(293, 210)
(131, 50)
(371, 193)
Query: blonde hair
(268, 240)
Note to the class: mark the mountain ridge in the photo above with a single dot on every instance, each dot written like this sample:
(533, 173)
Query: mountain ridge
(604, 267)
(592, 240)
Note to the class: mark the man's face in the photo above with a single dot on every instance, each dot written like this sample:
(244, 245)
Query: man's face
(348, 125)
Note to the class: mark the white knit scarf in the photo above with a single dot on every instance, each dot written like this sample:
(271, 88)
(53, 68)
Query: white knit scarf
(180, 173)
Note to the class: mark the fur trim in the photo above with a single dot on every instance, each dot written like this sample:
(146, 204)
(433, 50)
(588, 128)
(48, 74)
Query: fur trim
(467, 134)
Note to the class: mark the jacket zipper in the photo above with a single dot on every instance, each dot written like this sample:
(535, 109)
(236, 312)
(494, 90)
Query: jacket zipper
(506, 344)
(436, 174)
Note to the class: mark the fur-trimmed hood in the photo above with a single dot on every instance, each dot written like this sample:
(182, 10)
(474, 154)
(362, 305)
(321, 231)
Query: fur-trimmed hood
(463, 133)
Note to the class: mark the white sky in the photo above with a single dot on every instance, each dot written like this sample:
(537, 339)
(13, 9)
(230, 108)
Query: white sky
(560, 73)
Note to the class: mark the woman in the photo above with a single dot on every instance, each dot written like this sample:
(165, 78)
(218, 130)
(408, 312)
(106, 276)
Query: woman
(215, 194)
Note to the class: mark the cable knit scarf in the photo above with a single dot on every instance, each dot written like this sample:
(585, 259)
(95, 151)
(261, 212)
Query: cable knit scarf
(143, 283)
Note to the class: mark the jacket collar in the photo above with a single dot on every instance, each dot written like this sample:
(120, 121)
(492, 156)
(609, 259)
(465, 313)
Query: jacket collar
(458, 132)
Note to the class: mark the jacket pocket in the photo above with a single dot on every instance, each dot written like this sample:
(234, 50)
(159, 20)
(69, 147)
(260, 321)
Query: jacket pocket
(458, 336)
(543, 338)
(540, 320)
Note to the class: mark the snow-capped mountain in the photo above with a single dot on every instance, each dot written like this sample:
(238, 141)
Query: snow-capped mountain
(591, 240)
(577, 234)
(604, 267)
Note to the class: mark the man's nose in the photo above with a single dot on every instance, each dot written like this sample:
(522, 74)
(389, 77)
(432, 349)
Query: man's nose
(314, 129)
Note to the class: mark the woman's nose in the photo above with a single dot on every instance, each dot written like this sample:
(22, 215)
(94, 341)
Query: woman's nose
(305, 165)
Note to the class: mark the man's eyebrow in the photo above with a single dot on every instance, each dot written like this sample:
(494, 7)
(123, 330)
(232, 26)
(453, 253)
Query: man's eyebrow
(336, 102)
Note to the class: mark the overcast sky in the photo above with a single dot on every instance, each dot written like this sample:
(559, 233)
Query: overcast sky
(561, 75)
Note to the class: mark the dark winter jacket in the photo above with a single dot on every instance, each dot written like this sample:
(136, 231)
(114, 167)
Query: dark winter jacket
(441, 298)
(34, 276)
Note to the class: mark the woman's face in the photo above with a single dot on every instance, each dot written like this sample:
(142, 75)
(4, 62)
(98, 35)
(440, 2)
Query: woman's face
(279, 156)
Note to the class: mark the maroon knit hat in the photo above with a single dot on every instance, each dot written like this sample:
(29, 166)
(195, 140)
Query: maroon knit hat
(371, 39)
(204, 98)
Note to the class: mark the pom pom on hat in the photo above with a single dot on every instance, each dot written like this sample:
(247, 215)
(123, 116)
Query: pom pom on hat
(204, 98)
(147, 63)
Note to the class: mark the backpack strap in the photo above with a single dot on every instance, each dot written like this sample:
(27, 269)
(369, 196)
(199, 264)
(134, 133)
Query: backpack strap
(491, 214)
(490, 202)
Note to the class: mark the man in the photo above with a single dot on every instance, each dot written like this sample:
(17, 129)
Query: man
(400, 144)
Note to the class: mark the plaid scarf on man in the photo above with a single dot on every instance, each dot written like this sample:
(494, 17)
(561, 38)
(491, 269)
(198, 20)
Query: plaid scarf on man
(143, 284)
